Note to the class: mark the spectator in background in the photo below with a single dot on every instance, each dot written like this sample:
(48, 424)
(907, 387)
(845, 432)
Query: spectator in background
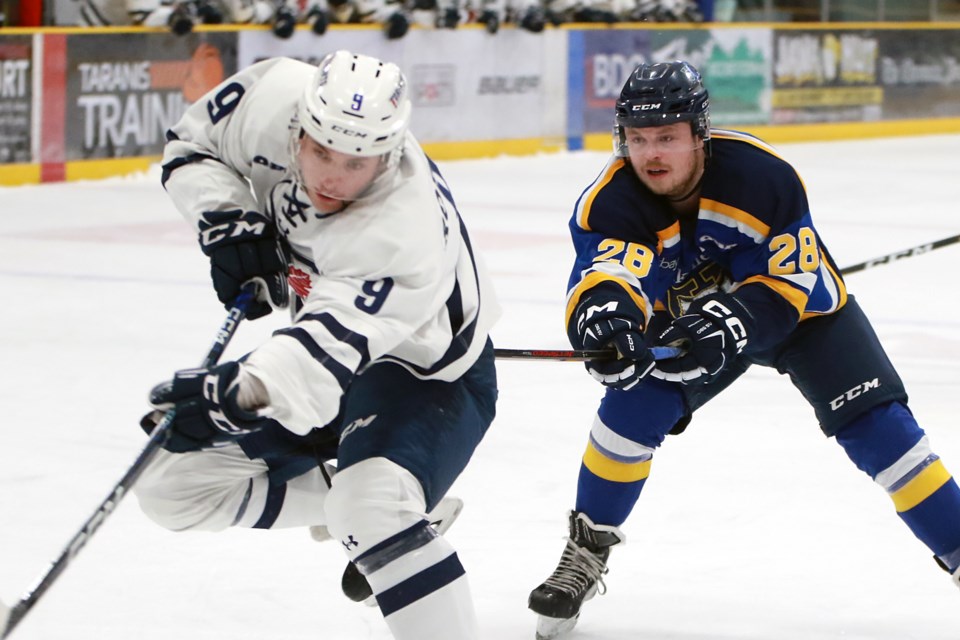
(282, 15)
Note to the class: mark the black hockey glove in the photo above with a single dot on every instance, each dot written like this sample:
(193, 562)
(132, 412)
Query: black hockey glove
(206, 409)
(490, 20)
(533, 20)
(448, 18)
(396, 25)
(711, 334)
(284, 22)
(243, 246)
(601, 324)
(319, 20)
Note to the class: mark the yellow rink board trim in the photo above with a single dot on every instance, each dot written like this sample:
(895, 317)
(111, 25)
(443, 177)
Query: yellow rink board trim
(12, 175)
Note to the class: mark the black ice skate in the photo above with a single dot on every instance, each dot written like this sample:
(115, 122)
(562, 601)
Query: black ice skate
(576, 579)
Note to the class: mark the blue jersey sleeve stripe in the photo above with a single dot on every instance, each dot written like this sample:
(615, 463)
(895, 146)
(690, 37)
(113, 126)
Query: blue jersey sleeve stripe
(337, 370)
(343, 334)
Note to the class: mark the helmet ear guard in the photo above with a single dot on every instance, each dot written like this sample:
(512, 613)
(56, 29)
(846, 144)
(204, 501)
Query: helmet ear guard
(660, 94)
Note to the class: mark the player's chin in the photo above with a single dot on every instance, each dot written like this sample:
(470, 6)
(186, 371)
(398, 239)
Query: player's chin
(660, 182)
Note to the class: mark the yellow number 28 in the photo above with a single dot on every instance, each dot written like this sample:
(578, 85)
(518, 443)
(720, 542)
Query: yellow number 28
(786, 258)
(637, 258)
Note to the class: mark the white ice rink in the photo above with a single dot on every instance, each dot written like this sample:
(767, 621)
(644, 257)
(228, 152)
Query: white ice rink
(752, 525)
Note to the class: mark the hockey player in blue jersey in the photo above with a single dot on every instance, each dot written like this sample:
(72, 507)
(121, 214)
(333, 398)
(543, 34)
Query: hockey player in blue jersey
(703, 240)
(309, 175)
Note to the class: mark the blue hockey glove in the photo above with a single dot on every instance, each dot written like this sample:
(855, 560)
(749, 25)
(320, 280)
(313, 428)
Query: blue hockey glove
(206, 409)
(243, 246)
(710, 334)
(601, 324)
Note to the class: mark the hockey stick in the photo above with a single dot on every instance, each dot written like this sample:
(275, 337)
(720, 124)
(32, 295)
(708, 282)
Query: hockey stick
(575, 355)
(662, 353)
(10, 617)
(899, 255)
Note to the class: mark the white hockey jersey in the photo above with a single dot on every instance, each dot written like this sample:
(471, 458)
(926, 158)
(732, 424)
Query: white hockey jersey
(391, 277)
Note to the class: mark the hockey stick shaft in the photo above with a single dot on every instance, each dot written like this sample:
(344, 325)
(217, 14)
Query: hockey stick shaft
(575, 355)
(160, 434)
(899, 255)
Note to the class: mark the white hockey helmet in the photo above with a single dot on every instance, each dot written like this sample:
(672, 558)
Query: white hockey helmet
(356, 104)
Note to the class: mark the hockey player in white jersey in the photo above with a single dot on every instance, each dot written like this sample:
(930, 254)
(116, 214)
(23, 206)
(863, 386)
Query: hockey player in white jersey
(387, 365)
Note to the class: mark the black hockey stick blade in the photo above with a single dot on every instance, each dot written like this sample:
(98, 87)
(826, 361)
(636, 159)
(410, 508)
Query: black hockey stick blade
(576, 355)
(10, 617)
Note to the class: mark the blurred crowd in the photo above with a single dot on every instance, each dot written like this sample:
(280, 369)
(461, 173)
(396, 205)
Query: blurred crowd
(395, 16)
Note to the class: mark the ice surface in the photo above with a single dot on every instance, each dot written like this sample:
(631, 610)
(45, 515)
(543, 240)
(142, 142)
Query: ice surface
(752, 525)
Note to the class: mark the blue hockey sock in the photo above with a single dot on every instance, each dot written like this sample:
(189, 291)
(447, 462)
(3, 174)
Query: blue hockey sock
(609, 485)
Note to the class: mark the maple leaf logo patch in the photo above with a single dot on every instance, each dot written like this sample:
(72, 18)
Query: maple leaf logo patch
(299, 281)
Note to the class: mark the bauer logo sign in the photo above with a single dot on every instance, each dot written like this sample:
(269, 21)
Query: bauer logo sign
(126, 92)
(507, 85)
(16, 90)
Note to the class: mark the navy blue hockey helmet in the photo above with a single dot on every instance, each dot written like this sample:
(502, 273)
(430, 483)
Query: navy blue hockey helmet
(661, 93)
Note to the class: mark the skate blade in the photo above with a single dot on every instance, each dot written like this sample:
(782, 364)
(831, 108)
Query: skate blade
(550, 628)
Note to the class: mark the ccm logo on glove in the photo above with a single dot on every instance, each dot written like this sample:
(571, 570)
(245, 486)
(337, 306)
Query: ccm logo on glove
(232, 229)
(732, 322)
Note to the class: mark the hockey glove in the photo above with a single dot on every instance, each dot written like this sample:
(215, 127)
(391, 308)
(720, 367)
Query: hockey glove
(534, 20)
(711, 334)
(318, 19)
(284, 22)
(490, 20)
(396, 25)
(601, 325)
(243, 246)
(206, 406)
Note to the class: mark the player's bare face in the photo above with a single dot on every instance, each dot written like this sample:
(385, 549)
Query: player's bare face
(333, 179)
(668, 159)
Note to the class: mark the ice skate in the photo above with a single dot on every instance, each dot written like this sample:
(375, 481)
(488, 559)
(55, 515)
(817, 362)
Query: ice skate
(354, 584)
(577, 578)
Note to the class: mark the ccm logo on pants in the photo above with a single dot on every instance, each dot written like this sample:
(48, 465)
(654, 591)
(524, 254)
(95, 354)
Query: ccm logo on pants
(861, 388)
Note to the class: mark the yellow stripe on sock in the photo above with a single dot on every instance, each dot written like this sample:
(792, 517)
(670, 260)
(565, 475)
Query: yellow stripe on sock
(921, 487)
(614, 471)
